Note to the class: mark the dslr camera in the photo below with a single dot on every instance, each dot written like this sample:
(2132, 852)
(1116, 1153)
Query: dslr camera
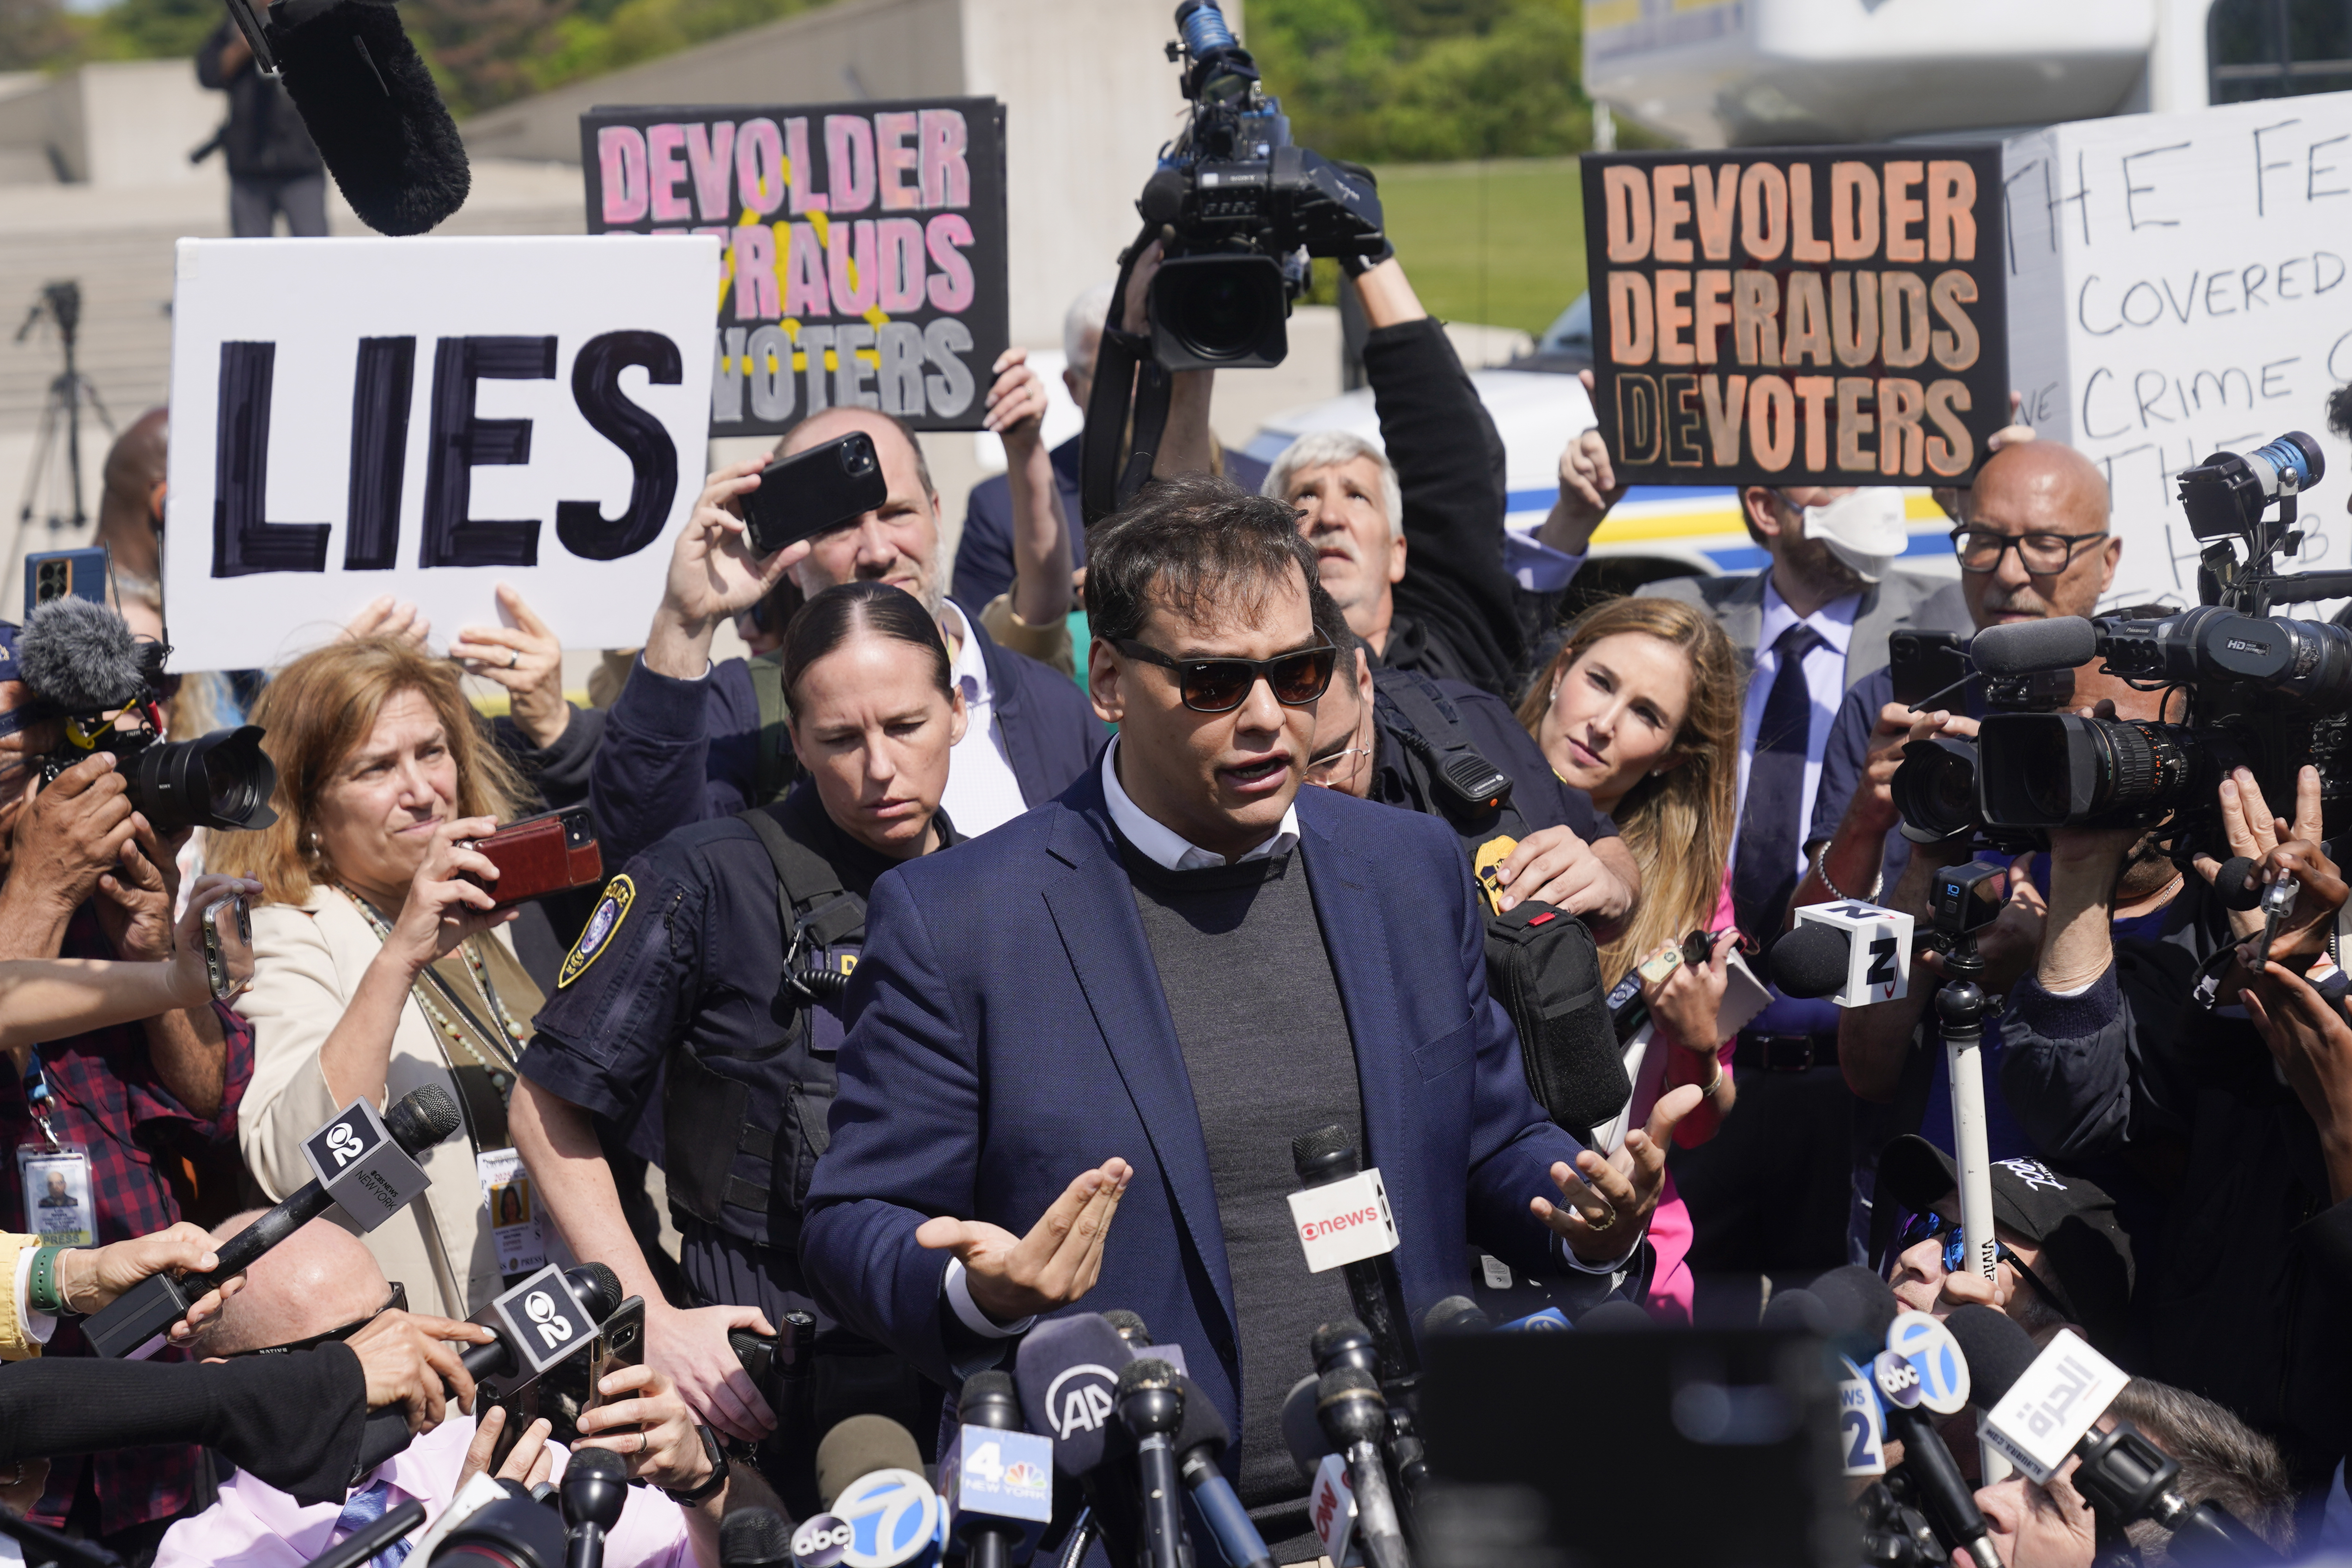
(1241, 208)
(81, 664)
(2265, 694)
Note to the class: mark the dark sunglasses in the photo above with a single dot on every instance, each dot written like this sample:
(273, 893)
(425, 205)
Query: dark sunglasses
(1921, 1226)
(1221, 685)
(398, 1303)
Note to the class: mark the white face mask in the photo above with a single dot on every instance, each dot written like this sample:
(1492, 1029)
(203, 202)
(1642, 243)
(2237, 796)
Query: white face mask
(1864, 530)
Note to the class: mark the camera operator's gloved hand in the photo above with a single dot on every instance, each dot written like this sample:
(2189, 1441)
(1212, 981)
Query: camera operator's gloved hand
(1357, 265)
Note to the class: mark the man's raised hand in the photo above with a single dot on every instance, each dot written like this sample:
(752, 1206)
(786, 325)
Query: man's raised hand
(1012, 1278)
(1606, 1201)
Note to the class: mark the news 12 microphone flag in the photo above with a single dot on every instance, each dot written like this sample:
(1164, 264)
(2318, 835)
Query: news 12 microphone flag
(863, 253)
(1797, 316)
(428, 417)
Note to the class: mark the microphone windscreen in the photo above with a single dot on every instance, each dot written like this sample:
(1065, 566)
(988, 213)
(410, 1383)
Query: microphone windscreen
(1302, 1429)
(1129, 1326)
(1997, 1352)
(1860, 1309)
(1810, 959)
(1202, 1423)
(1616, 1316)
(754, 1538)
(369, 102)
(860, 1447)
(79, 655)
(1145, 1371)
(2236, 886)
(1067, 1369)
(988, 1387)
(595, 1487)
(2027, 647)
(598, 1288)
(1798, 1312)
(1324, 1154)
(1455, 1315)
(421, 1118)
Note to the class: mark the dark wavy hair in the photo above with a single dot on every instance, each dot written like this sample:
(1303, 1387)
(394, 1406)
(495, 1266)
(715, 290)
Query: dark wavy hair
(834, 616)
(1188, 544)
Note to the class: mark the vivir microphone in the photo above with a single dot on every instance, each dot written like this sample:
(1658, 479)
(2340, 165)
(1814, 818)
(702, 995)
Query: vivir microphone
(1861, 1307)
(2121, 1475)
(1200, 1442)
(416, 1121)
(369, 102)
(2032, 647)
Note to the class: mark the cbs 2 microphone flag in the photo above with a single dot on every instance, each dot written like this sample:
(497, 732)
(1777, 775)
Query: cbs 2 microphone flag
(863, 248)
(429, 418)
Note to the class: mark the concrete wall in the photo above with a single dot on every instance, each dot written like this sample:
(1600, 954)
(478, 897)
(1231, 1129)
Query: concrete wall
(1089, 98)
(118, 124)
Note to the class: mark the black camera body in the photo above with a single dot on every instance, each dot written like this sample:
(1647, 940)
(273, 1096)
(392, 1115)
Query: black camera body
(1937, 789)
(1241, 207)
(2265, 694)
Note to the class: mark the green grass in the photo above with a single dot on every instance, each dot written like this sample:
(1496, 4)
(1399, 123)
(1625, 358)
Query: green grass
(1500, 242)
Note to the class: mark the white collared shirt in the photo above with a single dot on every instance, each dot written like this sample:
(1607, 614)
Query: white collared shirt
(1824, 683)
(1166, 847)
(982, 791)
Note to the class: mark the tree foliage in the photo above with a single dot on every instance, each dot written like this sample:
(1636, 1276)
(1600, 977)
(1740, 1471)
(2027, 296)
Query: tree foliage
(1417, 80)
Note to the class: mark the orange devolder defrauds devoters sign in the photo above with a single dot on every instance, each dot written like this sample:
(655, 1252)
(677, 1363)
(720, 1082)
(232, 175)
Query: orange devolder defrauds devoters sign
(1821, 316)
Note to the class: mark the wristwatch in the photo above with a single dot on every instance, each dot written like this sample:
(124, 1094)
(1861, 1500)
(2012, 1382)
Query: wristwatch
(718, 1478)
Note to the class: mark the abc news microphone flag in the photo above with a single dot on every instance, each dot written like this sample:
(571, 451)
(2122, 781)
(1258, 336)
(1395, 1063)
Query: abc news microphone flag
(863, 254)
(429, 418)
(1810, 316)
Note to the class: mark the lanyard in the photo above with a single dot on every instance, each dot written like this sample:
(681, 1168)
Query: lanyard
(38, 1095)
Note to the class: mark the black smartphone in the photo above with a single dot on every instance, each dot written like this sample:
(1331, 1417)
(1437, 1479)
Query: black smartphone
(1924, 663)
(568, 1390)
(815, 491)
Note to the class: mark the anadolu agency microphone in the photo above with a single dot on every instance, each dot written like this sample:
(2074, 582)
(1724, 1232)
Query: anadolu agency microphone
(361, 1162)
(368, 102)
(879, 1511)
(1926, 1374)
(1067, 1371)
(2042, 1405)
(996, 1479)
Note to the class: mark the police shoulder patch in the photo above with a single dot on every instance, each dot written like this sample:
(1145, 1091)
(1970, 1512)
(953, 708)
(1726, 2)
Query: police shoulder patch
(597, 934)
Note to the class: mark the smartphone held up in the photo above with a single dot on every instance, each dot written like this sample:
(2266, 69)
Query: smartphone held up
(815, 491)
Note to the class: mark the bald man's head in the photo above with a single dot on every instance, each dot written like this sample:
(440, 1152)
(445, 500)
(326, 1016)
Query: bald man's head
(320, 1278)
(2041, 487)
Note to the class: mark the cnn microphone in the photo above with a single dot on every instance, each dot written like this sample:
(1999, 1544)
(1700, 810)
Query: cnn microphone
(2060, 1393)
(359, 1153)
(369, 102)
(1851, 953)
(1355, 1417)
(1067, 1371)
(1201, 1444)
(1151, 1407)
(1860, 1309)
(1347, 1343)
(1322, 1158)
(996, 1479)
(2031, 647)
(594, 1487)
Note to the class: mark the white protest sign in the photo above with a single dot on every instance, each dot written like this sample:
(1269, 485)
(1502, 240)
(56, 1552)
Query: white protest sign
(429, 418)
(2179, 287)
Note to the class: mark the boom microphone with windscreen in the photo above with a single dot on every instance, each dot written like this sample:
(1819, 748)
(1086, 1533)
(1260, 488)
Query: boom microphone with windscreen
(369, 102)
(2031, 648)
(418, 1120)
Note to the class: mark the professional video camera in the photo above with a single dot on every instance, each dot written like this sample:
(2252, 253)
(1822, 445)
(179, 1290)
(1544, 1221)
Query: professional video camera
(1241, 207)
(2265, 692)
(81, 662)
(1936, 788)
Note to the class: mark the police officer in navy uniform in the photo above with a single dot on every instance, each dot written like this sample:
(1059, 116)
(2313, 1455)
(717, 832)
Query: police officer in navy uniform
(713, 965)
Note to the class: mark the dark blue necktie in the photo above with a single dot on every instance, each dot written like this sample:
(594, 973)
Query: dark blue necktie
(364, 1508)
(1764, 862)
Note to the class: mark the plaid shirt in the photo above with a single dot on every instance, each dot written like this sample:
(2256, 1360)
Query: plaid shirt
(107, 1098)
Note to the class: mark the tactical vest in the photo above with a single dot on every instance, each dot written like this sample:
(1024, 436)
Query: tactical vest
(776, 767)
(742, 1133)
(1541, 962)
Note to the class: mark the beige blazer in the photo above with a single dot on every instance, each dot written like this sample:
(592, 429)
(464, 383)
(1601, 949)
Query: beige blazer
(307, 962)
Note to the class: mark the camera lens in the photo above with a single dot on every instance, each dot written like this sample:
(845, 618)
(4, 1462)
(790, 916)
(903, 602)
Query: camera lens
(1220, 310)
(2058, 770)
(221, 780)
(1935, 790)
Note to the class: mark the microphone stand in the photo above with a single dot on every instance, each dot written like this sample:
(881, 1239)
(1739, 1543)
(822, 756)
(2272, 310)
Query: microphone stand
(1960, 1007)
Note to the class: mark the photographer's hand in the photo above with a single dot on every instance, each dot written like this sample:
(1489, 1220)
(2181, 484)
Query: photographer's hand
(713, 573)
(71, 833)
(1186, 447)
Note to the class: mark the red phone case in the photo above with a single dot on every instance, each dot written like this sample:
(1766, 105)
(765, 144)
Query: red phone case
(539, 855)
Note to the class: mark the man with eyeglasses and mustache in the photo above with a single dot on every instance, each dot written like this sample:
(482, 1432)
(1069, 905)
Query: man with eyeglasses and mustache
(1147, 989)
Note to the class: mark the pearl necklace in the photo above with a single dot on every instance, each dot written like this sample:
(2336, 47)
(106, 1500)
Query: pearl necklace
(499, 1062)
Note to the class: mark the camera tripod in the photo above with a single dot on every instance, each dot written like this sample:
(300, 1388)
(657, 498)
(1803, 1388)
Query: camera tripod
(59, 445)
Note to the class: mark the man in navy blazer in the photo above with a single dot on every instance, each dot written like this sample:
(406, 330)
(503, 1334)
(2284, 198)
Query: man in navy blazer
(1150, 986)
(681, 744)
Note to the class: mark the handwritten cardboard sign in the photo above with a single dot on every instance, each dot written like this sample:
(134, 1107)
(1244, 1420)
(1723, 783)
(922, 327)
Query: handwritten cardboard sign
(863, 248)
(1811, 316)
(2182, 285)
